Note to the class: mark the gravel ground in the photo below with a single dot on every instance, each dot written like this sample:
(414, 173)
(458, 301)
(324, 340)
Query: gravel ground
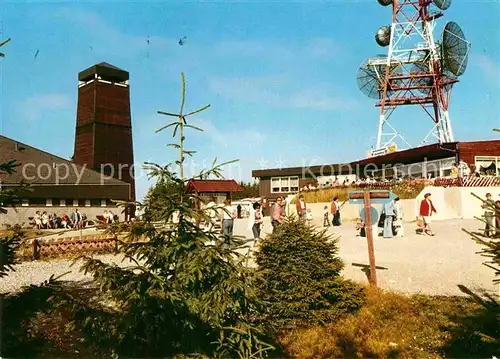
(414, 264)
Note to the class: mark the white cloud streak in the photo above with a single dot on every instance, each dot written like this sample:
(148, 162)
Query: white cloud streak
(276, 91)
(33, 107)
(109, 40)
(489, 67)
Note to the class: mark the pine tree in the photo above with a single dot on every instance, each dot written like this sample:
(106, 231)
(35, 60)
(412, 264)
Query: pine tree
(300, 280)
(185, 294)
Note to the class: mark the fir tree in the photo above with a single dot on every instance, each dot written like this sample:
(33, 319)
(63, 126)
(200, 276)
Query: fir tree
(300, 280)
(185, 294)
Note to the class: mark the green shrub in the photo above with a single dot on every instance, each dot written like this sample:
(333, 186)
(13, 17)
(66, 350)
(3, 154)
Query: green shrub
(300, 280)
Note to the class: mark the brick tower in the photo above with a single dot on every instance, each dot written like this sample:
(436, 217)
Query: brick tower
(103, 139)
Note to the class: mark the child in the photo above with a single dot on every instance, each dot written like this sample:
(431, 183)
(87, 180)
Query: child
(360, 226)
(309, 215)
(326, 220)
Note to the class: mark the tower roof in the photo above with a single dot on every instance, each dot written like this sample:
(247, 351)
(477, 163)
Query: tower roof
(105, 71)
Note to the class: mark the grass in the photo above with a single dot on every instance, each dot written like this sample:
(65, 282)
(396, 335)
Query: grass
(394, 325)
(388, 325)
(405, 190)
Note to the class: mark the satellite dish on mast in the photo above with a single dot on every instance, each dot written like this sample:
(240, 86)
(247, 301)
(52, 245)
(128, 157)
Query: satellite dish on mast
(383, 36)
(385, 2)
(371, 76)
(454, 49)
(442, 4)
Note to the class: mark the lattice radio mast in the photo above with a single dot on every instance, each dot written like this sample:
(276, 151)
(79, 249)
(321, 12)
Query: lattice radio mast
(417, 70)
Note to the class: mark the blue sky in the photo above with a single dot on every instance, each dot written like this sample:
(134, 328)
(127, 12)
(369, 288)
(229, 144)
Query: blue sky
(280, 76)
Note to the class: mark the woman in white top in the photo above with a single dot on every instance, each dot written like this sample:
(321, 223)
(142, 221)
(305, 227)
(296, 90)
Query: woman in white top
(228, 215)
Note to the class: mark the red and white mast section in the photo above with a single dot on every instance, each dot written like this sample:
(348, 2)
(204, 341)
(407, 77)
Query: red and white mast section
(416, 70)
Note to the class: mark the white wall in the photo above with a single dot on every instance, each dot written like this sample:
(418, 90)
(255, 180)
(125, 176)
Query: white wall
(450, 203)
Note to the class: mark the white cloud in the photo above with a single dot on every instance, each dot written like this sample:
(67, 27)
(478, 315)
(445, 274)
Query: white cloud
(489, 67)
(252, 48)
(323, 49)
(276, 91)
(263, 89)
(107, 39)
(32, 107)
(321, 100)
(229, 139)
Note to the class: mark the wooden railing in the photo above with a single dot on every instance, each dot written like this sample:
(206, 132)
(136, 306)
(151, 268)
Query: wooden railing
(56, 247)
(487, 181)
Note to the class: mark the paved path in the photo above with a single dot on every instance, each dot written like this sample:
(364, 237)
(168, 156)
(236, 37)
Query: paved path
(430, 265)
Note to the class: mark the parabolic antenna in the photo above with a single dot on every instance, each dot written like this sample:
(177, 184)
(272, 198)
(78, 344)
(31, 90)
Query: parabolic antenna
(455, 49)
(371, 77)
(385, 2)
(442, 4)
(383, 36)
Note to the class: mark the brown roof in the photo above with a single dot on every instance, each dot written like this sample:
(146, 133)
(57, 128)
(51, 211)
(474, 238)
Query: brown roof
(42, 168)
(323, 170)
(106, 71)
(430, 152)
(412, 155)
(213, 186)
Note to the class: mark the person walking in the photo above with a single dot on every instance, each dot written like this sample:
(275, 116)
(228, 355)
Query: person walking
(389, 210)
(335, 209)
(426, 210)
(255, 221)
(489, 216)
(301, 207)
(277, 214)
(399, 223)
(227, 216)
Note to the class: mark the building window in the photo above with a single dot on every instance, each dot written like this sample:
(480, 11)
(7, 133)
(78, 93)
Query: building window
(95, 202)
(284, 184)
(48, 202)
(487, 166)
(81, 203)
(38, 202)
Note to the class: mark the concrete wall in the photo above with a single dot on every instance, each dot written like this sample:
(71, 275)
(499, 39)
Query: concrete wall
(350, 212)
(21, 215)
(450, 203)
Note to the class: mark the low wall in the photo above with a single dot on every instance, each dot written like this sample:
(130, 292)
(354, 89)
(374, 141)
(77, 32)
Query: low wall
(350, 212)
(450, 203)
(21, 215)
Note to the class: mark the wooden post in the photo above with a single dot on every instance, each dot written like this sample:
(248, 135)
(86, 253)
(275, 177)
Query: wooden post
(36, 255)
(369, 237)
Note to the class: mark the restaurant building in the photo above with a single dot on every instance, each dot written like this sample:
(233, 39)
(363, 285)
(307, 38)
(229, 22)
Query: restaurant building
(430, 161)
